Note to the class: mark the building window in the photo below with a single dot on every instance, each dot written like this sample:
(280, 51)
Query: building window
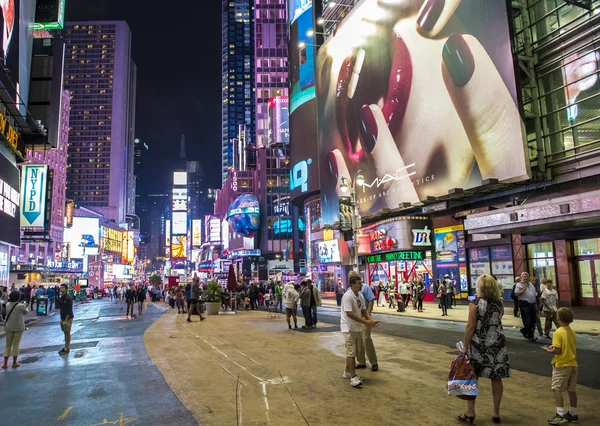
(541, 261)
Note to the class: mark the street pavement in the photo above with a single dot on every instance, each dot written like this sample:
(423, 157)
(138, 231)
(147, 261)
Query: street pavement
(106, 379)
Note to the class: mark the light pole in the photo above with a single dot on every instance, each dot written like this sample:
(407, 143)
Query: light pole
(359, 180)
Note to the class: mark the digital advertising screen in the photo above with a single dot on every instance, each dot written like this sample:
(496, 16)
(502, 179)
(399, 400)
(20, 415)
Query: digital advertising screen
(9, 48)
(180, 178)
(83, 237)
(196, 232)
(421, 97)
(49, 15)
(304, 174)
(179, 223)
(10, 229)
(179, 247)
(279, 120)
(329, 251)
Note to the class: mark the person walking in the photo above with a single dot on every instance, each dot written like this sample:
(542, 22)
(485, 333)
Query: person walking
(354, 317)
(14, 326)
(526, 293)
(315, 301)
(291, 304)
(392, 294)
(420, 295)
(514, 298)
(549, 301)
(366, 346)
(485, 343)
(305, 296)
(27, 293)
(449, 286)
(141, 298)
(51, 297)
(66, 317)
(130, 300)
(33, 297)
(443, 299)
(195, 301)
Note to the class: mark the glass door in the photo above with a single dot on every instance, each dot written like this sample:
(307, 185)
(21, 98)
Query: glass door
(588, 279)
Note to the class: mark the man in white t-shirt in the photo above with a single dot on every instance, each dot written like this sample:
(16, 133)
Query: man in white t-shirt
(550, 303)
(354, 315)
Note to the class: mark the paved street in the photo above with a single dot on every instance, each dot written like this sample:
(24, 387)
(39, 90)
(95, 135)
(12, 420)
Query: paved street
(107, 378)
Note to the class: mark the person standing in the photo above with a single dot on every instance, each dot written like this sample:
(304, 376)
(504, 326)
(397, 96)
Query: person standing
(403, 293)
(14, 326)
(392, 293)
(195, 301)
(66, 317)
(27, 293)
(420, 295)
(291, 304)
(525, 292)
(515, 299)
(485, 343)
(141, 298)
(51, 297)
(339, 293)
(443, 298)
(305, 296)
(278, 296)
(354, 317)
(315, 301)
(33, 297)
(549, 301)
(366, 347)
(449, 286)
(180, 300)
(130, 300)
(381, 295)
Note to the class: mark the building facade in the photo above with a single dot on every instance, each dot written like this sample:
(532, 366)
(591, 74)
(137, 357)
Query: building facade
(100, 77)
(237, 76)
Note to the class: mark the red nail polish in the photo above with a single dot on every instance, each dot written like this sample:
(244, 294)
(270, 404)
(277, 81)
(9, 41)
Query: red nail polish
(430, 14)
(368, 128)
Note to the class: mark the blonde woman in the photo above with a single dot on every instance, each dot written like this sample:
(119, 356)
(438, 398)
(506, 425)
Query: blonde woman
(485, 343)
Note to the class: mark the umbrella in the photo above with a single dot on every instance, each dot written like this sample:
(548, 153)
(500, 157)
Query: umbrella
(231, 283)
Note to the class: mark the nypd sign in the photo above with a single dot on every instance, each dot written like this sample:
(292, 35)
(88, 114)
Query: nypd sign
(33, 195)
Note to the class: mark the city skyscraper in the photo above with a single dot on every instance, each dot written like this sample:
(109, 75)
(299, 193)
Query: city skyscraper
(237, 79)
(101, 79)
(271, 60)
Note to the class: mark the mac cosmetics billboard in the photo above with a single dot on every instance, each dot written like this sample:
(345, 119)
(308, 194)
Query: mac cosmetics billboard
(304, 174)
(421, 97)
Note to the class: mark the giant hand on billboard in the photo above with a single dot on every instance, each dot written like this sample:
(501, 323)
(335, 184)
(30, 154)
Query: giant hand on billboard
(420, 96)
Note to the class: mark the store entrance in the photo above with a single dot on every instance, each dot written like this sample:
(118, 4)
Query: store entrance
(402, 271)
(589, 275)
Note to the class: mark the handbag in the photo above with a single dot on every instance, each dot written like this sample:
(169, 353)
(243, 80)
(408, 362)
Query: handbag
(462, 381)
(8, 316)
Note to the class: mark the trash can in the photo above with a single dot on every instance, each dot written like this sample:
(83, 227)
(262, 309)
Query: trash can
(42, 306)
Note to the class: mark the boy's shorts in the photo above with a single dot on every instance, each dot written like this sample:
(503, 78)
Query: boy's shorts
(351, 342)
(564, 379)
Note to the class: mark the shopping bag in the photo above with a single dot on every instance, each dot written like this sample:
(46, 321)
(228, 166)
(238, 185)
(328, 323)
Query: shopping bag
(462, 381)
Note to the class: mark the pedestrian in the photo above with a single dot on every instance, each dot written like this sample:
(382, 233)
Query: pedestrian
(130, 300)
(141, 298)
(514, 297)
(485, 343)
(51, 297)
(354, 317)
(366, 348)
(14, 326)
(443, 298)
(27, 293)
(180, 300)
(315, 301)
(525, 291)
(278, 296)
(291, 304)
(414, 293)
(449, 286)
(381, 296)
(403, 293)
(195, 301)
(305, 297)
(339, 293)
(33, 297)
(66, 317)
(392, 293)
(420, 295)
(549, 302)
(564, 368)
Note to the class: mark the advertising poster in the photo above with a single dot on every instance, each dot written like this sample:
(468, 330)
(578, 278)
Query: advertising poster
(9, 53)
(329, 251)
(179, 223)
(196, 232)
(33, 195)
(450, 255)
(394, 234)
(279, 120)
(83, 237)
(179, 247)
(9, 203)
(421, 97)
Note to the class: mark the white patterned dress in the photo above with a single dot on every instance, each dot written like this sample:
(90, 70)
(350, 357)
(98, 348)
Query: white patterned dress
(488, 352)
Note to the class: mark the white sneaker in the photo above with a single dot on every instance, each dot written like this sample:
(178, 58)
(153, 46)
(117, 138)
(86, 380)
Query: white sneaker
(356, 381)
(347, 375)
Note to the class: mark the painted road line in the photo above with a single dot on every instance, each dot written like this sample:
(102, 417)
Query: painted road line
(64, 415)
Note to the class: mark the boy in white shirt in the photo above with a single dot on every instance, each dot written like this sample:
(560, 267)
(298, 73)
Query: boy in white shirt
(550, 303)
(354, 314)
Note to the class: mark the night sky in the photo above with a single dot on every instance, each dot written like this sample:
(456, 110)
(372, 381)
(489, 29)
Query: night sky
(177, 50)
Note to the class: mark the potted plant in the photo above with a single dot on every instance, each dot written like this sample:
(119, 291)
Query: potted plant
(212, 298)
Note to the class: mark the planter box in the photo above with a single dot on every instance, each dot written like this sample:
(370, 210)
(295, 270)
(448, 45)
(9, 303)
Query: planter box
(212, 308)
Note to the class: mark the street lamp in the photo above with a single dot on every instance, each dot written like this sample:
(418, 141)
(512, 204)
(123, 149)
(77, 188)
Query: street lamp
(359, 180)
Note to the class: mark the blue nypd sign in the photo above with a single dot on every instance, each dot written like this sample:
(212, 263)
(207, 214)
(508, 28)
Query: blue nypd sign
(34, 181)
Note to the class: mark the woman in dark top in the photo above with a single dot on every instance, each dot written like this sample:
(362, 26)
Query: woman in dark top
(485, 343)
(141, 297)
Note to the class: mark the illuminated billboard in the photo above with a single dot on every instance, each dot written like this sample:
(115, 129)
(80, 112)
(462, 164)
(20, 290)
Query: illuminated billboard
(34, 182)
(168, 233)
(196, 232)
(180, 199)
(329, 251)
(179, 247)
(213, 229)
(179, 223)
(10, 17)
(417, 107)
(180, 178)
(49, 15)
(279, 120)
(83, 237)
(9, 202)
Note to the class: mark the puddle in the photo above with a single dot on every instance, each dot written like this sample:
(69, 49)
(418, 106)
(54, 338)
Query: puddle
(29, 360)
(79, 354)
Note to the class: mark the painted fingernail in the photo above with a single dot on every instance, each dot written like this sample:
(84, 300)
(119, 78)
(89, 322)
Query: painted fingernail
(368, 128)
(458, 60)
(430, 13)
(332, 164)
